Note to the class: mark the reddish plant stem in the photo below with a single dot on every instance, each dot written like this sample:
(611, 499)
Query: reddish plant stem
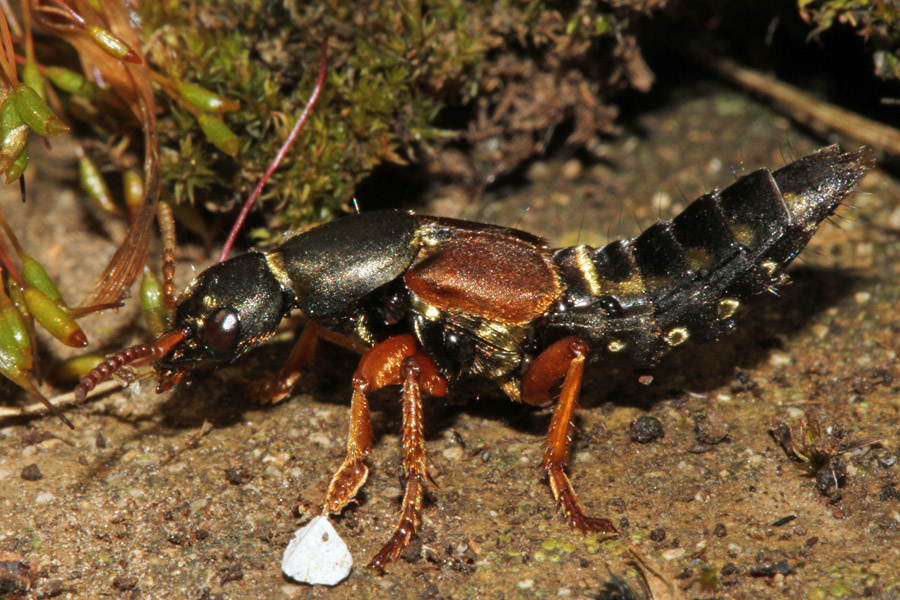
(245, 210)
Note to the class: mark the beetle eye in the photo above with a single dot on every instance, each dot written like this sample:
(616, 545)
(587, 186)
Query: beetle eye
(220, 335)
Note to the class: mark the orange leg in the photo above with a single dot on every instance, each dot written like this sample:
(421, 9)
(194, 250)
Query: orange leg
(276, 388)
(397, 360)
(353, 471)
(415, 474)
(562, 360)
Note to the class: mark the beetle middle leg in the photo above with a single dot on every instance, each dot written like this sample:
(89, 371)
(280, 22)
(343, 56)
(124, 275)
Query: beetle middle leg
(562, 360)
(397, 360)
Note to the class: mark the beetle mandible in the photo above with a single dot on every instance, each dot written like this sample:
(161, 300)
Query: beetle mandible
(430, 301)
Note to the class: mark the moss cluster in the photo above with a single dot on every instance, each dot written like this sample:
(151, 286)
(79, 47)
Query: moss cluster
(518, 68)
(878, 22)
(407, 80)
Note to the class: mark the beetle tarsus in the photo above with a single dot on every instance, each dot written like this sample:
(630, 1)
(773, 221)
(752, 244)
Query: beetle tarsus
(353, 471)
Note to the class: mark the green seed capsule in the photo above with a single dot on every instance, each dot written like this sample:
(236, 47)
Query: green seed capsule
(73, 369)
(36, 113)
(9, 115)
(17, 295)
(217, 132)
(12, 366)
(36, 276)
(204, 99)
(18, 167)
(13, 134)
(14, 331)
(93, 184)
(71, 81)
(33, 78)
(152, 307)
(133, 189)
(54, 318)
(112, 45)
(189, 217)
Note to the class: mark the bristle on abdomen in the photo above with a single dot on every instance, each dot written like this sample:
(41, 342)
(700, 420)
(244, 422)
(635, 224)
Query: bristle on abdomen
(813, 186)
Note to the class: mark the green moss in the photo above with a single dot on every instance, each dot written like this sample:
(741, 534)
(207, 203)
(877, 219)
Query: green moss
(840, 589)
(879, 22)
(390, 73)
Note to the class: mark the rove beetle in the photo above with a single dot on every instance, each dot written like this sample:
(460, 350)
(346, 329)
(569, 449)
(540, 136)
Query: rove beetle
(429, 301)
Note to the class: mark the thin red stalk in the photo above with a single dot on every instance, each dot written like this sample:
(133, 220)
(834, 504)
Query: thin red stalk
(10, 267)
(11, 16)
(4, 224)
(9, 58)
(71, 12)
(257, 191)
(29, 41)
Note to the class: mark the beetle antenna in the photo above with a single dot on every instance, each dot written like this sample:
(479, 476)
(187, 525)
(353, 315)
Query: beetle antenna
(128, 356)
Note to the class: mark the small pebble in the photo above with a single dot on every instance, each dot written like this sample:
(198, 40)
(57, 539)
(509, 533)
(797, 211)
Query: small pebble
(317, 555)
(646, 429)
(44, 498)
(31, 473)
(674, 553)
(572, 169)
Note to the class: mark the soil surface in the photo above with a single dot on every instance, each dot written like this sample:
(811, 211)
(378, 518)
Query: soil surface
(139, 501)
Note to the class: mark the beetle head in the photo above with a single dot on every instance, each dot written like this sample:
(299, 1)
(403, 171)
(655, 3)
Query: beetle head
(227, 310)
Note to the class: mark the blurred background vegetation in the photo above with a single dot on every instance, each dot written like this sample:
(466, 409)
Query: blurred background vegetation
(467, 91)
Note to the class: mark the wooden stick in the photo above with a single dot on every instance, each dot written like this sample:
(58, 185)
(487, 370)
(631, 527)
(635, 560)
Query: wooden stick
(59, 401)
(804, 108)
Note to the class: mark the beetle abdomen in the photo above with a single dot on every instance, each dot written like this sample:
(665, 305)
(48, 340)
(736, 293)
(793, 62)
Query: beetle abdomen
(686, 278)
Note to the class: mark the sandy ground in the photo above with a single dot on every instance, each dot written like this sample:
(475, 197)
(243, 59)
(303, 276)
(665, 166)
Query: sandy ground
(137, 503)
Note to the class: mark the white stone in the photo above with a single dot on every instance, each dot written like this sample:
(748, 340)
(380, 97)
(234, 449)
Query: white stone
(317, 555)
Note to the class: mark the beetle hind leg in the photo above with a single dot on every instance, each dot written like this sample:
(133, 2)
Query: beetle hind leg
(562, 360)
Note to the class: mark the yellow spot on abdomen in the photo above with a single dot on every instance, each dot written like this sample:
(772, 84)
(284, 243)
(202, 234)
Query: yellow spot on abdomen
(677, 336)
(727, 307)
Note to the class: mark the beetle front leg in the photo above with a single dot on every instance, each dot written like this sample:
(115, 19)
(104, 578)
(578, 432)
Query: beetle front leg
(353, 471)
(275, 388)
(562, 360)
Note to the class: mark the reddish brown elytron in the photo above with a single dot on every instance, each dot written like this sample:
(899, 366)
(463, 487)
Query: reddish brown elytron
(489, 275)
(430, 301)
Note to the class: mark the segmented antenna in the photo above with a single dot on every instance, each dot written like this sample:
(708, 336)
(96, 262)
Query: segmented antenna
(128, 356)
(167, 229)
(108, 367)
